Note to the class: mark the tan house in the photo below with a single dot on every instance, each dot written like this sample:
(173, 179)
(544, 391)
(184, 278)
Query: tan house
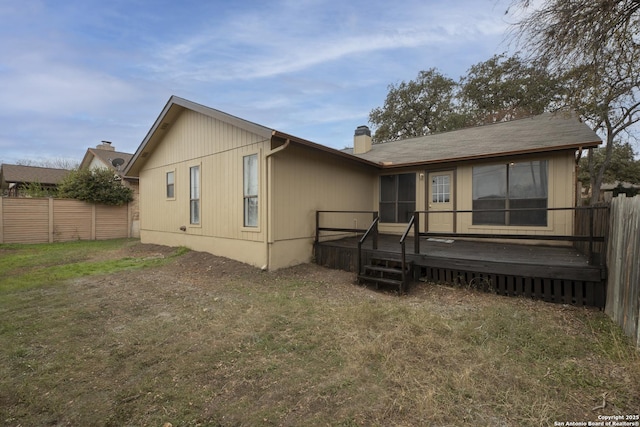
(217, 183)
(106, 156)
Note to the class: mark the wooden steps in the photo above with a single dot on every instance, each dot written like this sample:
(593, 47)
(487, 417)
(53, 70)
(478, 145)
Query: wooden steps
(386, 272)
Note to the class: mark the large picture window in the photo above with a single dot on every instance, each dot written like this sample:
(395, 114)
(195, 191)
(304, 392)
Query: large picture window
(194, 195)
(397, 197)
(250, 190)
(522, 185)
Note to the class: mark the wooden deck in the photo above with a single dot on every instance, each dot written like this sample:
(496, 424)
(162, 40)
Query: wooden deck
(551, 273)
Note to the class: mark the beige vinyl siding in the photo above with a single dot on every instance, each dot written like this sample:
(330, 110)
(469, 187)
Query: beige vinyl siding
(561, 194)
(303, 181)
(195, 136)
(218, 148)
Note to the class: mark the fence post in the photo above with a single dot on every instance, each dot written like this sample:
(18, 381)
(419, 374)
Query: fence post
(51, 219)
(129, 220)
(1, 221)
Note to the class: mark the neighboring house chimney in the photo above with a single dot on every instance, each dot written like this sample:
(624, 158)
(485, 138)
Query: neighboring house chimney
(106, 145)
(362, 140)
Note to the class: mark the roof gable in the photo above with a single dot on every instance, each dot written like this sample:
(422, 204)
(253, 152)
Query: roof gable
(170, 113)
(542, 133)
(106, 157)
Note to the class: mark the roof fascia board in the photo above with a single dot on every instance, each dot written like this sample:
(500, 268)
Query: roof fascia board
(86, 161)
(224, 117)
(325, 149)
(148, 136)
(492, 155)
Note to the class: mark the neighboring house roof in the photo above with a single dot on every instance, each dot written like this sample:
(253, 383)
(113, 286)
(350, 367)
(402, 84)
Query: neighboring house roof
(25, 174)
(176, 105)
(107, 157)
(542, 133)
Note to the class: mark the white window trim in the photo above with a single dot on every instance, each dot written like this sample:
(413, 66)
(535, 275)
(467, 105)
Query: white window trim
(261, 202)
(174, 184)
(199, 224)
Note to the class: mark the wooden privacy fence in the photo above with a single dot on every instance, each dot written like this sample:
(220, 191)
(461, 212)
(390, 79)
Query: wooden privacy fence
(48, 220)
(623, 259)
(592, 222)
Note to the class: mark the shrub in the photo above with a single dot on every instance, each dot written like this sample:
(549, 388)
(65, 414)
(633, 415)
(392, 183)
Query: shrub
(95, 186)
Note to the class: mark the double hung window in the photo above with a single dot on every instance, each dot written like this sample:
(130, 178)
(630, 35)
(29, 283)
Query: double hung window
(194, 194)
(250, 190)
(171, 181)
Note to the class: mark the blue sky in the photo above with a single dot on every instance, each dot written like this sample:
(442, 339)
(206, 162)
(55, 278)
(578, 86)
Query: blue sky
(74, 73)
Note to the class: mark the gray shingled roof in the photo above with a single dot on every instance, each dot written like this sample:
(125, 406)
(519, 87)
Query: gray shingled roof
(546, 132)
(26, 174)
(107, 156)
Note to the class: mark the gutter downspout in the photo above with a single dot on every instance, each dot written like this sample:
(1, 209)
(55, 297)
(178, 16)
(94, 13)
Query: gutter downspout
(269, 207)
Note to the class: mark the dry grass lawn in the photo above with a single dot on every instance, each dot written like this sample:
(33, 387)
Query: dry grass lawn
(197, 340)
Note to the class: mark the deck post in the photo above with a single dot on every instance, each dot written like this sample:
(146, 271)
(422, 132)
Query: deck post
(416, 232)
(317, 226)
(359, 266)
(591, 235)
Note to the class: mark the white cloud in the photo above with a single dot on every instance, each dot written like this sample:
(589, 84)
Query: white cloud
(71, 75)
(252, 46)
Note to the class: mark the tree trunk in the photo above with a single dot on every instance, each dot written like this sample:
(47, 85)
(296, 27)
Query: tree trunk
(596, 178)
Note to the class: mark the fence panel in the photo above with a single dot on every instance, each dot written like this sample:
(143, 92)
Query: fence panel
(45, 220)
(582, 227)
(111, 222)
(623, 283)
(72, 220)
(25, 220)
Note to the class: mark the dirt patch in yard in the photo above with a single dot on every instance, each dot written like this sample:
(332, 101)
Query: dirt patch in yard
(204, 340)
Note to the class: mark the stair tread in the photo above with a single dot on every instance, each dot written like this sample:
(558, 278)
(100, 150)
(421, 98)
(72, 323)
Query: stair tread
(383, 269)
(381, 280)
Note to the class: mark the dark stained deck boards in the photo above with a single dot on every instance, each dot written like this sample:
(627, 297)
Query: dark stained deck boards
(554, 262)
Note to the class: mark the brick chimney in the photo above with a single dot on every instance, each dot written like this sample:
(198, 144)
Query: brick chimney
(362, 140)
(106, 145)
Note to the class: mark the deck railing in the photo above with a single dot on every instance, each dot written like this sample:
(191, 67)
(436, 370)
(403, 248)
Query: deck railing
(372, 230)
(404, 250)
(590, 239)
(319, 229)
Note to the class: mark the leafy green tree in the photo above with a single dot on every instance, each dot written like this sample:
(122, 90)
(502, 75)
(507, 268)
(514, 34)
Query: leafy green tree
(595, 47)
(506, 88)
(97, 185)
(415, 108)
(501, 88)
(623, 166)
(35, 189)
